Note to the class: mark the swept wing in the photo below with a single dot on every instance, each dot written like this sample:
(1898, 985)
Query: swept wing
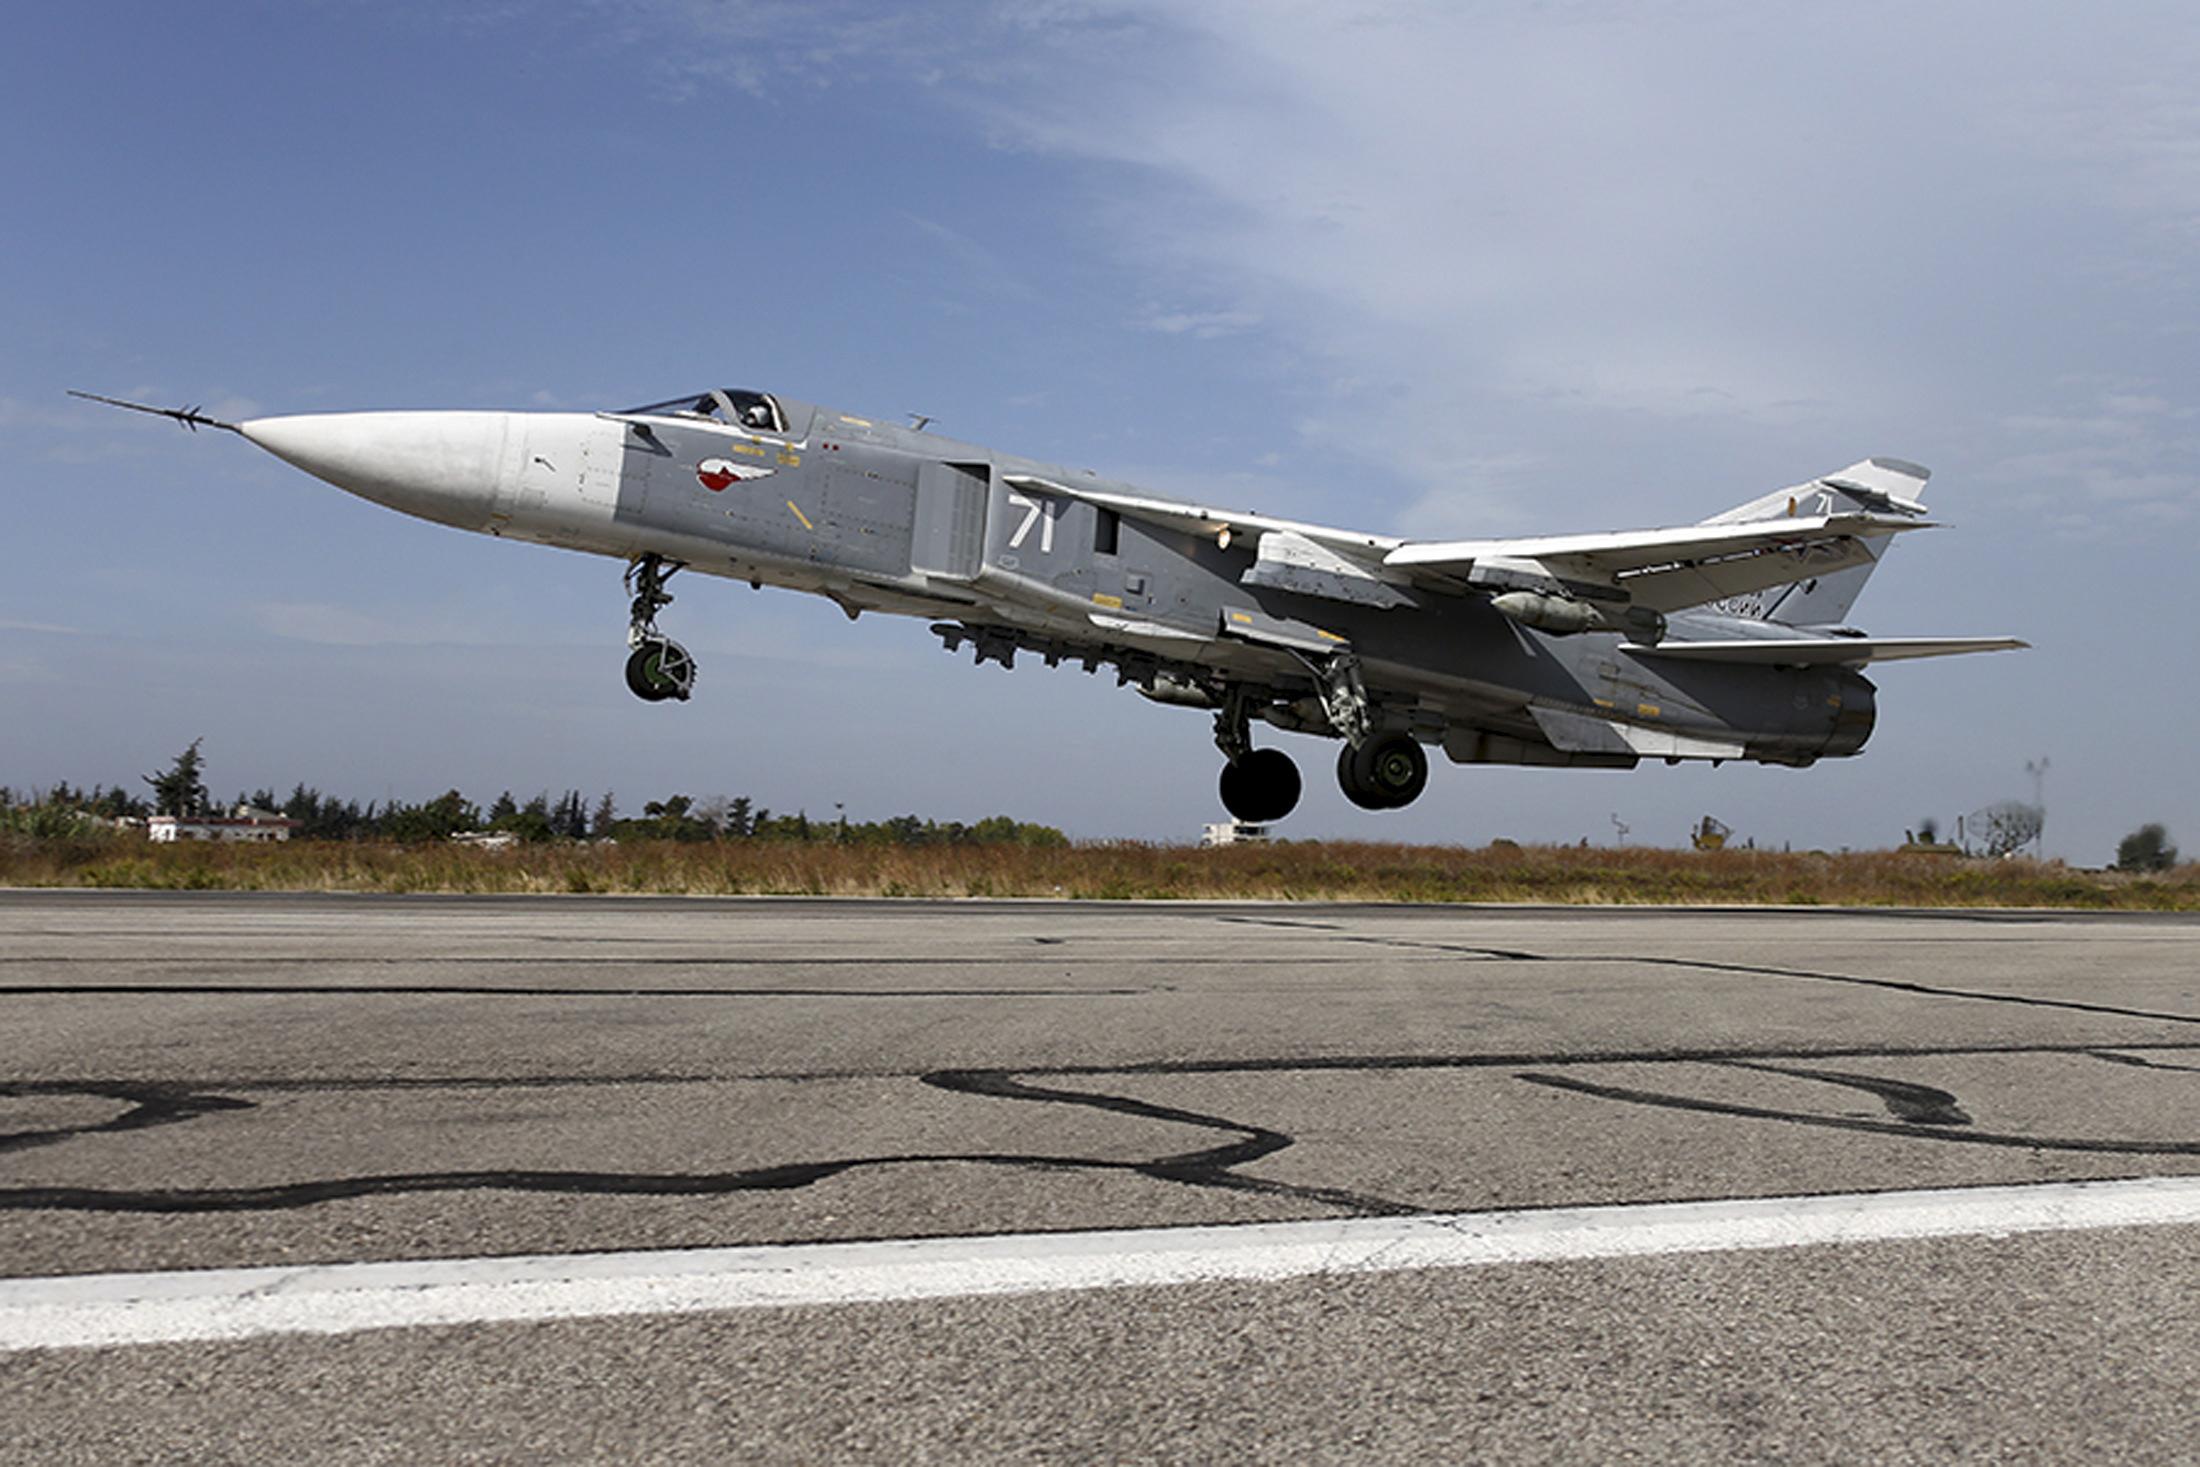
(1662, 570)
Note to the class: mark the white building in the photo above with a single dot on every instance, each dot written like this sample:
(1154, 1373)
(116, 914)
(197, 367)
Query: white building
(1232, 832)
(242, 823)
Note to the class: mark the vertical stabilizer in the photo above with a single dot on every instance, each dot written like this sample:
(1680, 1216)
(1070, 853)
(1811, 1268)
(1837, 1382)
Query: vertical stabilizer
(1880, 485)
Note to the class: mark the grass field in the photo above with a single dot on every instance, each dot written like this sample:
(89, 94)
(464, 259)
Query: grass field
(1285, 870)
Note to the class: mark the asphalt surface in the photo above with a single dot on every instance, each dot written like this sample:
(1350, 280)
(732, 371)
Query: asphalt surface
(223, 1080)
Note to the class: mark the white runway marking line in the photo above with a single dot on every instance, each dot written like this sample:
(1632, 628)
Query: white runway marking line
(98, 1310)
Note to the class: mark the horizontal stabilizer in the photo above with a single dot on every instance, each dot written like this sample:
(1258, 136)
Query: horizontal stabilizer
(1824, 651)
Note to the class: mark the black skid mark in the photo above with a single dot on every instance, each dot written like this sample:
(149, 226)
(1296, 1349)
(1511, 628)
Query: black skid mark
(1899, 985)
(1758, 970)
(150, 1105)
(292, 1195)
(2115, 1058)
(1465, 950)
(1509, 1060)
(1855, 1123)
(1921, 1105)
(1212, 1167)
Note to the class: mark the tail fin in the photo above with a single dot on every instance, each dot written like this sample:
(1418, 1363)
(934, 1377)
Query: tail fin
(1881, 485)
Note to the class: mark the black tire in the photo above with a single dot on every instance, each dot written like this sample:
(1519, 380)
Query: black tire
(1349, 782)
(1261, 787)
(1387, 773)
(653, 671)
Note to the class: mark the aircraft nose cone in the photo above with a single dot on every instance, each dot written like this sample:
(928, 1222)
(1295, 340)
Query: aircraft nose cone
(441, 466)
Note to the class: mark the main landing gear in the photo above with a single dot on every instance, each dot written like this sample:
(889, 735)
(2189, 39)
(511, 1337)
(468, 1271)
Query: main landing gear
(658, 668)
(1376, 770)
(1258, 785)
(1384, 773)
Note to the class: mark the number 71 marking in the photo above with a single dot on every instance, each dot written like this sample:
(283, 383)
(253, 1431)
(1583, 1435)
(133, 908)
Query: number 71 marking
(1035, 513)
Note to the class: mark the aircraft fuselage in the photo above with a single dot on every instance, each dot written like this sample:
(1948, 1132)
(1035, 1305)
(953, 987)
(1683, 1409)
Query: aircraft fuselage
(879, 517)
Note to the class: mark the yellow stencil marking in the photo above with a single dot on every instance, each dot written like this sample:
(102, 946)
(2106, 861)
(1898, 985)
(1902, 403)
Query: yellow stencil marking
(788, 459)
(1102, 598)
(1646, 710)
(753, 450)
(798, 514)
(1241, 616)
(1327, 636)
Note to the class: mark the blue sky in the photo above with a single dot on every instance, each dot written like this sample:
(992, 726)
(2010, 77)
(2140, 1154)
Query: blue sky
(1419, 268)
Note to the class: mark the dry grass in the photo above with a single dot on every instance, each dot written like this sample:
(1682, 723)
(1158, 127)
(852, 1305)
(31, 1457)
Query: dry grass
(1286, 870)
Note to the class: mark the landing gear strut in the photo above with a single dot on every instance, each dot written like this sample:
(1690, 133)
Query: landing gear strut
(658, 668)
(1258, 785)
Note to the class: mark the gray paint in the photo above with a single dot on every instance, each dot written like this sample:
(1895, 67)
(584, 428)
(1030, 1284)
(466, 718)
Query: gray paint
(1310, 629)
(900, 520)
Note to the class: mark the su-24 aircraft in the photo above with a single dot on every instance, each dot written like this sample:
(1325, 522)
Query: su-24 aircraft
(1725, 639)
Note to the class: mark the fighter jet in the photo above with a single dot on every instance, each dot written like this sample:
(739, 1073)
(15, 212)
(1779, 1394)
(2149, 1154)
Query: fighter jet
(1724, 639)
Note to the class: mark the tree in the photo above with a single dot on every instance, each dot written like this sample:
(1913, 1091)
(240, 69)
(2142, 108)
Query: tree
(2146, 849)
(533, 821)
(674, 807)
(606, 816)
(2008, 827)
(439, 819)
(180, 790)
(675, 817)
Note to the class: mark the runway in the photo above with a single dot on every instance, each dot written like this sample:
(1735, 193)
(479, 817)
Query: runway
(226, 1082)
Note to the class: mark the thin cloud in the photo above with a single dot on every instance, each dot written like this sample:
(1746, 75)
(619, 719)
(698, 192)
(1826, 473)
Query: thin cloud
(1205, 325)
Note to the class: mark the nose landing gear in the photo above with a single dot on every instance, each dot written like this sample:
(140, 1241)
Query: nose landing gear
(658, 667)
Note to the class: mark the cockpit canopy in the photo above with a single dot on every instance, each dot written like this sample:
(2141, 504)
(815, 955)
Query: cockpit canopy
(758, 412)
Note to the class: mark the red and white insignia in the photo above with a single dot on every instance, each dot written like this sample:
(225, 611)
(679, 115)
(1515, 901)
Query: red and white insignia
(715, 474)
